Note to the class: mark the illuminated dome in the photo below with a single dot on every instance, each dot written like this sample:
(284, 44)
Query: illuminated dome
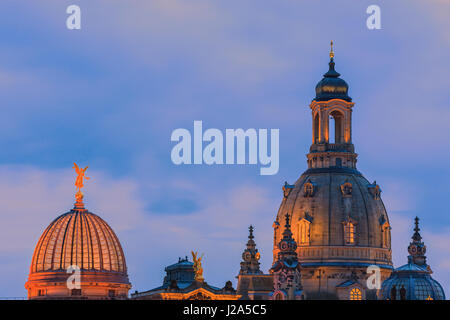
(337, 216)
(331, 86)
(78, 241)
(80, 238)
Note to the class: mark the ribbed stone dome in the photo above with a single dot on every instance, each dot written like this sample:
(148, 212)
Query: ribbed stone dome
(80, 238)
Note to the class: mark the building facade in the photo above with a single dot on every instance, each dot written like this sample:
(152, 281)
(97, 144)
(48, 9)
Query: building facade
(182, 283)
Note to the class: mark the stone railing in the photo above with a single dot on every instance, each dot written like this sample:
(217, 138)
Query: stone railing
(307, 254)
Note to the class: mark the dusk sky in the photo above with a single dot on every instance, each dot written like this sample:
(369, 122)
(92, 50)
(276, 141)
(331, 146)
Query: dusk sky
(108, 96)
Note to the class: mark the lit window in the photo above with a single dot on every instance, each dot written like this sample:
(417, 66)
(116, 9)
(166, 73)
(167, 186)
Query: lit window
(279, 296)
(349, 233)
(385, 235)
(303, 232)
(355, 294)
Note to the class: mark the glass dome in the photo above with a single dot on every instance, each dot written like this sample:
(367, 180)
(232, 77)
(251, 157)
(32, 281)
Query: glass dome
(411, 282)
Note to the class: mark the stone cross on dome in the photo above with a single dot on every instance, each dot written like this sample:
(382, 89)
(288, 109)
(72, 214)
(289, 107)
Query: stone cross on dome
(250, 229)
(287, 234)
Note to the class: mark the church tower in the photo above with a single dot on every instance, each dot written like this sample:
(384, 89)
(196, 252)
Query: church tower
(338, 219)
(332, 123)
(286, 269)
(250, 256)
(252, 283)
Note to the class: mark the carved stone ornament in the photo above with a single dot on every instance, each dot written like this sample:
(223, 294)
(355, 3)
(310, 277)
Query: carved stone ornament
(287, 188)
(374, 190)
(309, 189)
(346, 189)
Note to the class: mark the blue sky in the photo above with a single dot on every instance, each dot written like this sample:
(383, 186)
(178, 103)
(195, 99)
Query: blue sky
(109, 96)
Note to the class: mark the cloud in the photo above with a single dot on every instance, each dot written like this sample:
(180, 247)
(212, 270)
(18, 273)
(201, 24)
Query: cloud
(32, 198)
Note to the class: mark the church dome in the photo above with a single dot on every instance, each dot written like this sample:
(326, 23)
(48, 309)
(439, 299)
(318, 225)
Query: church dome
(78, 256)
(411, 282)
(337, 218)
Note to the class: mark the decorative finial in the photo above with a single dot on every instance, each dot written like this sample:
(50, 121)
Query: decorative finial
(250, 229)
(197, 266)
(79, 182)
(416, 236)
(287, 220)
(331, 51)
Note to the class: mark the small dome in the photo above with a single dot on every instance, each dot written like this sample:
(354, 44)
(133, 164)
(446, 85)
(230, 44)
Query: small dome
(411, 282)
(331, 86)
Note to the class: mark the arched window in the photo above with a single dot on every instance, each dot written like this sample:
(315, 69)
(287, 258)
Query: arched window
(316, 126)
(336, 128)
(349, 233)
(385, 235)
(279, 296)
(355, 294)
(304, 232)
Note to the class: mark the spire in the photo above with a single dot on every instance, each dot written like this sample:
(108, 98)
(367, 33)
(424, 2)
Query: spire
(331, 50)
(416, 236)
(287, 244)
(286, 269)
(250, 256)
(417, 247)
(287, 234)
(250, 229)
(331, 72)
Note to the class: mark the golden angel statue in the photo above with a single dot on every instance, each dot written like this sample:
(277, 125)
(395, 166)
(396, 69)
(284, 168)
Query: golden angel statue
(79, 181)
(197, 266)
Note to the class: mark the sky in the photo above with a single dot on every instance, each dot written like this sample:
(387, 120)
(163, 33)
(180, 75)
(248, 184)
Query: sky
(110, 94)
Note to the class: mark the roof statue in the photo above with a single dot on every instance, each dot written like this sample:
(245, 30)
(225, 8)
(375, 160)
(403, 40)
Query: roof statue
(79, 181)
(197, 266)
